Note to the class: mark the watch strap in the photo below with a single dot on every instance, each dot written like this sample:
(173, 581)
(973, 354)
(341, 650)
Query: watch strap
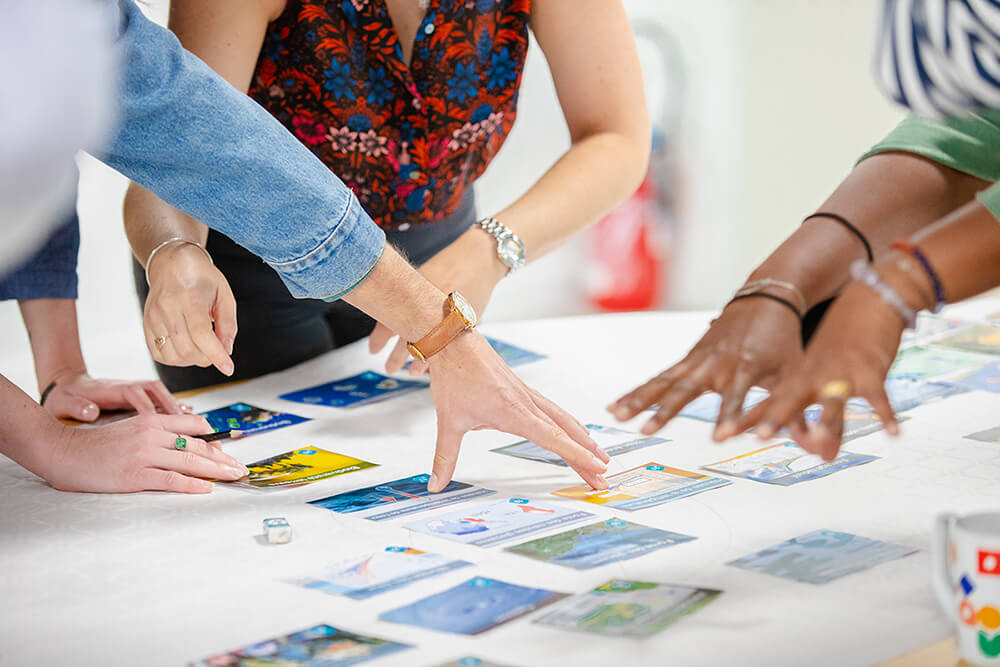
(447, 330)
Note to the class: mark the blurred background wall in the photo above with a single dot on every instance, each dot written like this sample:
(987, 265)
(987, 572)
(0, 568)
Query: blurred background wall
(773, 104)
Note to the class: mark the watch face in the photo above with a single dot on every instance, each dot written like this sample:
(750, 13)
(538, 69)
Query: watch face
(464, 308)
(511, 251)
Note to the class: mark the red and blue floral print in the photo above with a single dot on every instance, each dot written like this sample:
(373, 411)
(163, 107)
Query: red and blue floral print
(407, 140)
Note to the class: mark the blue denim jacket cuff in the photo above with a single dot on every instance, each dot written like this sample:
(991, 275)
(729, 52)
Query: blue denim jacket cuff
(341, 261)
(27, 284)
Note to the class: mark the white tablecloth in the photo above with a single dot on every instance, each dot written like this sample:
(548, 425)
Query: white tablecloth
(157, 579)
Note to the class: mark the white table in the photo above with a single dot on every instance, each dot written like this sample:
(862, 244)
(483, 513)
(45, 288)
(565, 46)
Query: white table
(157, 579)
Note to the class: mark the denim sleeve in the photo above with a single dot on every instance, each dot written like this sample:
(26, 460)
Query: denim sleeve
(51, 272)
(212, 152)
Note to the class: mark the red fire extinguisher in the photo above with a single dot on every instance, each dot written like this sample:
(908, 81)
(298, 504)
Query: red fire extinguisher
(629, 250)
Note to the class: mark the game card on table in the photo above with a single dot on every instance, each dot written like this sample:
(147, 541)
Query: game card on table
(821, 556)
(599, 544)
(786, 464)
(497, 522)
(644, 486)
(355, 391)
(982, 338)
(624, 608)
(470, 661)
(299, 467)
(319, 645)
(400, 497)
(930, 363)
(706, 407)
(612, 440)
(249, 419)
(472, 607)
(368, 575)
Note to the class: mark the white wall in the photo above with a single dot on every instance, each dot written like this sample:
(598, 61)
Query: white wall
(780, 103)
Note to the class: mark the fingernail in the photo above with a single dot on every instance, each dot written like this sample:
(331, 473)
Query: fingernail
(599, 463)
(227, 368)
(603, 455)
(892, 428)
(765, 431)
(724, 431)
(185, 407)
(89, 410)
(229, 345)
(432, 485)
(236, 472)
(649, 428)
(601, 482)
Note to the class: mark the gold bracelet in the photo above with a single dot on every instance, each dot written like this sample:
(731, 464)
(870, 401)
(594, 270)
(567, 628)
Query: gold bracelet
(171, 240)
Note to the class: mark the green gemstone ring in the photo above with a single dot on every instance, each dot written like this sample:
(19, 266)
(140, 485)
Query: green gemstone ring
(181, 443)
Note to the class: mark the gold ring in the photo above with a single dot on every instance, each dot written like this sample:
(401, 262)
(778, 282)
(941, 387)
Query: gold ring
(836, 389)
(159, 342)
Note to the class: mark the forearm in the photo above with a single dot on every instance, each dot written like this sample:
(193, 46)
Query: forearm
(149, 221)
(399, 297)
(27, 431)
(596, 174)
(887, 196)
(55, 338)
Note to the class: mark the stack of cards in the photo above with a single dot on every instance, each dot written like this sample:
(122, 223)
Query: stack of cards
(299, 467)
(786, 464)
(627, 608)
(318, 645)
(497, 522)
(472, 607)
(821, 556)
(599, 544)
(362, 389)
(612, 440)
(400, 497)
(645, 486)
(368, 575)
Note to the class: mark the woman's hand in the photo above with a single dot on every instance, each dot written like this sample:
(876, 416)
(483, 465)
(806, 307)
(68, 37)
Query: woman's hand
(469, 265)
(751, 343)
(78, 396)
(850, 355)
(137, 454)
(190, 314)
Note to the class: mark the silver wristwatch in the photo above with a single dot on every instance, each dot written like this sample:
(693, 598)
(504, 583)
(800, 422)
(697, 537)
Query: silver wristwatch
(510, 248)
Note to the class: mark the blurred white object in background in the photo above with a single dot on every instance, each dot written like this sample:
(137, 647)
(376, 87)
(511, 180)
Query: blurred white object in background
(57, 99)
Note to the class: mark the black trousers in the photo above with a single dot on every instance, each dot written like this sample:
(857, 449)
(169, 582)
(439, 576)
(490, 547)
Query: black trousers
(277, 331)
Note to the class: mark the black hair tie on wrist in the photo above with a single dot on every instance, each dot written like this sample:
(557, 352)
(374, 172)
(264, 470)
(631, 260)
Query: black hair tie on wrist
(773, 297)
(847, 224)
(46, 392)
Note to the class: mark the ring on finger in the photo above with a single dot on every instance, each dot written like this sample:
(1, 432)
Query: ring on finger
(160, 341)
(180, 442)
(839, 390)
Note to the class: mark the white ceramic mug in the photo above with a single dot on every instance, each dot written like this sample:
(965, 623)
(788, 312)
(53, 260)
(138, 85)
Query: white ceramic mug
(965, 554)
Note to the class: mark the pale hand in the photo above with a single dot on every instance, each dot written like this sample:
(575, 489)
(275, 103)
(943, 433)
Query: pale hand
(137, 454)
(750, 343)
(78, 396)
(187, 295)
(470, 266)
(856, 343)
(473, 389)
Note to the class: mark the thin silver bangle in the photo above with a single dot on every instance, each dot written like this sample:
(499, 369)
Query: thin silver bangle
(172, 240)
(863, 272)
(756, 286)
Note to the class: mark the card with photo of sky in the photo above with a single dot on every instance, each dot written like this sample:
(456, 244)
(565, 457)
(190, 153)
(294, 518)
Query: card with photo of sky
(472, 607)
(613, 441)
(786, 464)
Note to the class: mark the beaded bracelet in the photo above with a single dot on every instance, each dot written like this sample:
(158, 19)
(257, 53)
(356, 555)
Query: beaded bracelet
(917, 253)
(847, 225)
(862, 272)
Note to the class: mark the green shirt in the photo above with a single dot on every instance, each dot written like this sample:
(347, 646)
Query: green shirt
(970, 145)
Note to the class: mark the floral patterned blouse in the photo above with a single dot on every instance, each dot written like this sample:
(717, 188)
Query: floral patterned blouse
(407, 140)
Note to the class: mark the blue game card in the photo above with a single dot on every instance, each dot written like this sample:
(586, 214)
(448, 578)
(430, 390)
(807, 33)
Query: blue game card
(821, 556)
(400, 497)
(985, 379)
(249, 419)
(472, 607)
(319, 645)
(512, 354)
(706, 407)
(613, 441)
(362, 389)
(599, 544)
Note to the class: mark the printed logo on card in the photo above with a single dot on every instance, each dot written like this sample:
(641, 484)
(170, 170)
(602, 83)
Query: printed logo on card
(989, 563)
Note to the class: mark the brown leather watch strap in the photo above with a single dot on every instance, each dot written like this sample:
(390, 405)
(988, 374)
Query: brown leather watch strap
(459, 316)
